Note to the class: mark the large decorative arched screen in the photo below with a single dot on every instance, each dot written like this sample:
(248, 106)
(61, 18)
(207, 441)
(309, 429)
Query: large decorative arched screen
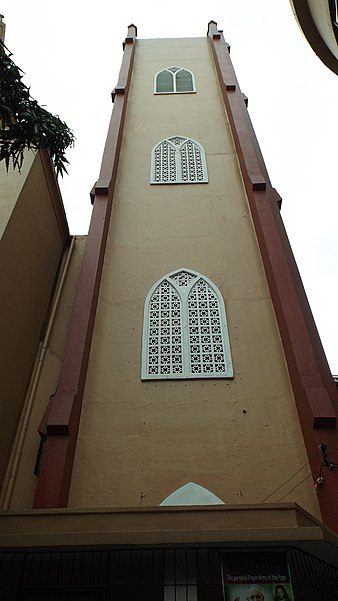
(178, 160)
(185, 332)
(174, 80)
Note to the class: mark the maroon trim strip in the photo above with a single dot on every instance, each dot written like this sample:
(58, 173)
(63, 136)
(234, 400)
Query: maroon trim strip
(314, 388)
(61, 423)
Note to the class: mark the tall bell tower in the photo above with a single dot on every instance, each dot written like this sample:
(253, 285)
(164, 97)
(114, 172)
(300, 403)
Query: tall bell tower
(194, 403)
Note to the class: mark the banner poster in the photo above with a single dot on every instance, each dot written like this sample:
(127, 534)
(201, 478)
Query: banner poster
(256, 576)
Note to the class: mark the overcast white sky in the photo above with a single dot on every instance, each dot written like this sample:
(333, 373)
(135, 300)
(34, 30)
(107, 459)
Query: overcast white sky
(71, 53)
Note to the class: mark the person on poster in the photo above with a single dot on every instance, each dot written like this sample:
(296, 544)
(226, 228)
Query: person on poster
(280, 593)
(255, 593)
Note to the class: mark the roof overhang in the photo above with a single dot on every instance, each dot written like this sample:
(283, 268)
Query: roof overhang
(281, 524)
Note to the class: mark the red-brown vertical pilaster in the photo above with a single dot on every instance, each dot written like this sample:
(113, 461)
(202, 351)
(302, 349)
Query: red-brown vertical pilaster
(314, 388)
(61, 421)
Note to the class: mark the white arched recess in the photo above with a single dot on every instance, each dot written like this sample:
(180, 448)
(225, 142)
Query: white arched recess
(192, 494)
(178, 160)
(185, 332)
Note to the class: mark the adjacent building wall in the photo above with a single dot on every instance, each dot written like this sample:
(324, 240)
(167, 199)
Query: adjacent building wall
(34, 233)
(21, 481)
(140, 441)
(12, 182)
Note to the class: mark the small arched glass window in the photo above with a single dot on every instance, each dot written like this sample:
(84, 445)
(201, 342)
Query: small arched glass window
(174, 80)
(185, 333)
(178, 160)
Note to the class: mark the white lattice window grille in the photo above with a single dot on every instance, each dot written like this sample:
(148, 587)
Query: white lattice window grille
(174, 80)
(185, 332)
(178, 160)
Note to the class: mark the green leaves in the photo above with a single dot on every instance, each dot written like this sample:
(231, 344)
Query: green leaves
(24, 124)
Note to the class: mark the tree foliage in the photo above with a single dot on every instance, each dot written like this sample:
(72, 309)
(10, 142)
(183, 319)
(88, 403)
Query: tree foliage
(24, 124)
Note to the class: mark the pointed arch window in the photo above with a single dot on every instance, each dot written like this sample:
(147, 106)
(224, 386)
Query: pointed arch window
(185, 332)
(178, 160)
(174, 80)
(192, 494)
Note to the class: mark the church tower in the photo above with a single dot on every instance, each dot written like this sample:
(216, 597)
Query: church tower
(188, 424)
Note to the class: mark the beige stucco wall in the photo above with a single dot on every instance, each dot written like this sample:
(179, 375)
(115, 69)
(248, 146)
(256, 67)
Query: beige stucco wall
(139, 441)
(34, 235)
(12, 182)
(21, 481)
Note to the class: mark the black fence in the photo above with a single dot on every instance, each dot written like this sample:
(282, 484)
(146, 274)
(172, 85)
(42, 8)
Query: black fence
(146, 575)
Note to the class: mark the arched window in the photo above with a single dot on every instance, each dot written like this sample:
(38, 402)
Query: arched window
(192, 494)
(174, 80)
(178, 160)
(185, 332)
